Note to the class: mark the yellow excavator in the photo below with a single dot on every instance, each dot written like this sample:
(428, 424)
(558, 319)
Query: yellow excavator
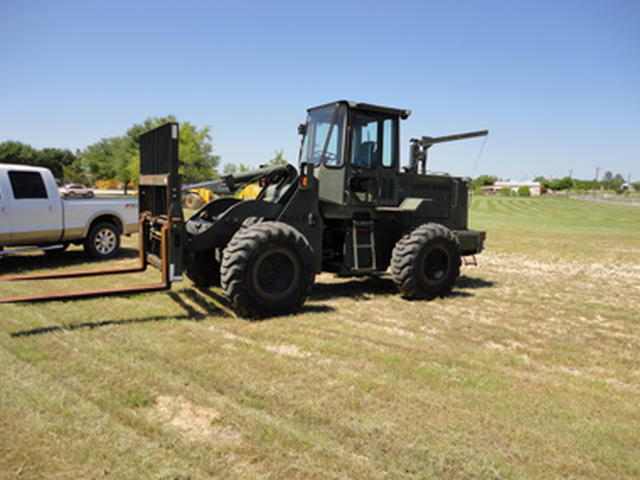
(197, 195)
(194, 198)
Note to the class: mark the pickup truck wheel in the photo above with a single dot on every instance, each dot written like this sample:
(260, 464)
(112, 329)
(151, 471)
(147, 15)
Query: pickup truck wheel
(267, 269)
(103, 241)
(426, 262)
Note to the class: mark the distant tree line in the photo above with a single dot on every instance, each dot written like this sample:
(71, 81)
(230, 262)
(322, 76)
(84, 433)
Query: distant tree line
(609, 182)
(63, 163)
(118, 158)
(231, 168)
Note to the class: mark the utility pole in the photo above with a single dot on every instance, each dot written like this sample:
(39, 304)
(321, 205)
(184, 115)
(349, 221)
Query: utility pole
(597, 173)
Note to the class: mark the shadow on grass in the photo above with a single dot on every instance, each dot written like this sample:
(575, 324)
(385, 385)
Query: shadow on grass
(210, 298)
(317, 309)
(358, 288)
(24, 263)
(190, 313)
(209, 301)
(473, 283)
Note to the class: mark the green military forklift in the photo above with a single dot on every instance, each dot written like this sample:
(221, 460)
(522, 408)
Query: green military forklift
(349, 209)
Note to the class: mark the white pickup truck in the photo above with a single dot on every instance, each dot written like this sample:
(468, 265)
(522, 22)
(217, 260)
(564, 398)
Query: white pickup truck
(32, 213)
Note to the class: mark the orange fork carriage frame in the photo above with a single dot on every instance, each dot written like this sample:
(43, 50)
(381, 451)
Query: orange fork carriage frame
(160, 220)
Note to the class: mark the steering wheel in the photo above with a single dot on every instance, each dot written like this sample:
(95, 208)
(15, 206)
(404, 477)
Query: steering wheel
(329, 157)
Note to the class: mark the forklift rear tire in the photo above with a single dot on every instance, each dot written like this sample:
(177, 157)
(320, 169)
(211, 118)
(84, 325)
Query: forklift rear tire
(203, 269)
(426, 262)
(267, 270)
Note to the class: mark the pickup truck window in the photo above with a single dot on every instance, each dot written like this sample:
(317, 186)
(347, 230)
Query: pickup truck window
(27, 185)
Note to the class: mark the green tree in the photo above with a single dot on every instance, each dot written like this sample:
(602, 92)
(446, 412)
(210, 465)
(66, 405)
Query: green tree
(103, 159)
(617, 181)
(611, 181)
(18, 153)
(278, 159)
(483, 181)
(74, 173)
(55, 159)
(607, 180)
(232, 168)
(119, 157)
(585, 185)
(524, 191)
(197, 163)
(543, 181)
(229, 169)
(562, 184)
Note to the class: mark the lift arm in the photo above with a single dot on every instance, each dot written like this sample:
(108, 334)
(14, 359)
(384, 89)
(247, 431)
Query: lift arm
(420, 147)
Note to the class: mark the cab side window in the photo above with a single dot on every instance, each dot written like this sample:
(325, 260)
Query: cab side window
(389, 149)
(27, 185)
(364, 142)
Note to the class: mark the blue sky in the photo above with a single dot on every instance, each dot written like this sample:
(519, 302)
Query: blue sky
(556, 82)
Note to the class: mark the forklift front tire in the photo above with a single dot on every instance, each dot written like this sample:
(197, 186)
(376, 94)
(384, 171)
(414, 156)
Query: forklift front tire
(267, 270)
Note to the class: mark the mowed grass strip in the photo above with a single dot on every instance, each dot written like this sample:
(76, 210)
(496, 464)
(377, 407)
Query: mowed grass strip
(529, 370)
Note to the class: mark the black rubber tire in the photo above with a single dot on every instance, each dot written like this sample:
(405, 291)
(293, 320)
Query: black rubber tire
(103, 241)
(426, 262)
(267, 269)
(203, 269)
(90, 194)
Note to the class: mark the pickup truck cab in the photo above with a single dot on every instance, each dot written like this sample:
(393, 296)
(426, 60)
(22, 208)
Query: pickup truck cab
(32, 213)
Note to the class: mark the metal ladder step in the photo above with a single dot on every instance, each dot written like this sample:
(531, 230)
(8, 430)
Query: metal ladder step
(361, 226)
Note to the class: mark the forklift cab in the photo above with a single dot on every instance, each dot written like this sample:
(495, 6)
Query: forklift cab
(355, 150)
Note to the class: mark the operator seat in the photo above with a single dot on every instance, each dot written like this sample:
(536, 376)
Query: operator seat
(365, 155)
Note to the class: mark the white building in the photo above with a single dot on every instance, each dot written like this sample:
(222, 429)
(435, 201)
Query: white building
(535, 188)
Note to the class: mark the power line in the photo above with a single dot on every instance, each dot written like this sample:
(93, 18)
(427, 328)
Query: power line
(473, 172)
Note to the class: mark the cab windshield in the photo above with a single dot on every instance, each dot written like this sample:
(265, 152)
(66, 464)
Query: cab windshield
(323, 140)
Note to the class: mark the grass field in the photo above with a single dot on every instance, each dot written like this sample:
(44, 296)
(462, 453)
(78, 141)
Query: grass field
(531, 369)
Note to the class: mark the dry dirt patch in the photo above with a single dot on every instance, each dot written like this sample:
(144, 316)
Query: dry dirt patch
(192, 421)
(287, 350)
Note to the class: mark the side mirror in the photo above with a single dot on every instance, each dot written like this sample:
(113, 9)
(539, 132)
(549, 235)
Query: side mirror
(302, 129)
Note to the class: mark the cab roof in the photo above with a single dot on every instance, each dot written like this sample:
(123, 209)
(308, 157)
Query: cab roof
(397, 112)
